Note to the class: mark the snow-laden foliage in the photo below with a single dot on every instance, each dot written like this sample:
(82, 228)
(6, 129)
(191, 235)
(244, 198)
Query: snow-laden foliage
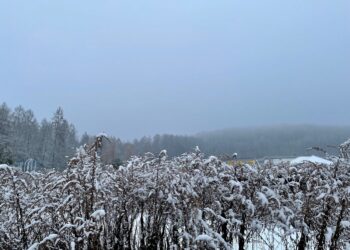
(188, 202)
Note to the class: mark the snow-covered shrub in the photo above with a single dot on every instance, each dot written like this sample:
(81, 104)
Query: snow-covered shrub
(188, 202)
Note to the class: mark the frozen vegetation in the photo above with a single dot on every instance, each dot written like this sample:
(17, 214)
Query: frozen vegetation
(186, 202)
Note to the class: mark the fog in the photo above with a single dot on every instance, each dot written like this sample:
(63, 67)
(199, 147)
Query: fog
(134, 68)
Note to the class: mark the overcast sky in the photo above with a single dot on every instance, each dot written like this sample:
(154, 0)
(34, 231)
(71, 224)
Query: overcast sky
(133, 68)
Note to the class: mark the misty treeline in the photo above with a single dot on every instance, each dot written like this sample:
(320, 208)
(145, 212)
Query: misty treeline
(50, 142)
(249, 143)
(186, 202)
(22, 137)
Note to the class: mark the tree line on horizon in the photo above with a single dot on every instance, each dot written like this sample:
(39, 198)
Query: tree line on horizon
(52, 142)
(248, 143)
(22, 137)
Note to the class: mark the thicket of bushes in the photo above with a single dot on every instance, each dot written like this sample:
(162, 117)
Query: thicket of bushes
(188, 202)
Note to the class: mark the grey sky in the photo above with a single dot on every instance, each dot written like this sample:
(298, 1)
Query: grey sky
(133, 68)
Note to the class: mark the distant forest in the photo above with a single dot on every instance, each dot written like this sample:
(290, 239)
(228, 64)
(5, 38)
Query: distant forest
(52, 142)
(22, 137)
(248, 143)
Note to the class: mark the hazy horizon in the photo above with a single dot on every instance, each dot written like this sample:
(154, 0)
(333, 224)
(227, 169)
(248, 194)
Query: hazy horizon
(80, 131)
(153, 67)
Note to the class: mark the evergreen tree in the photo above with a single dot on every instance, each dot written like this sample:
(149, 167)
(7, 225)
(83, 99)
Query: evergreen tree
(5, 146)
(60, 134)
(25, 132)
(45, 142)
